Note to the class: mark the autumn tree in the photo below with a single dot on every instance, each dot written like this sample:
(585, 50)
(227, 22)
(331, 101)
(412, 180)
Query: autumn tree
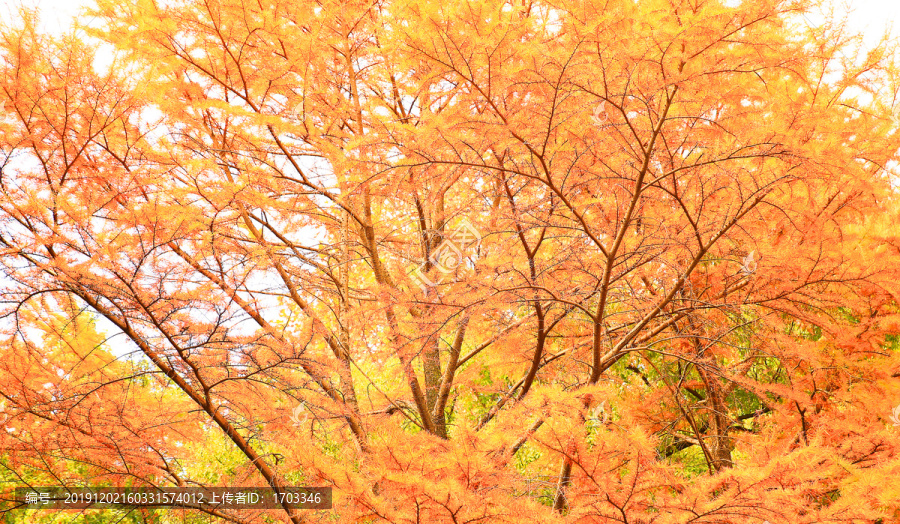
(584, 261)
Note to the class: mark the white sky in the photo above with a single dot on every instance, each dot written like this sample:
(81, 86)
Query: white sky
(867, 16)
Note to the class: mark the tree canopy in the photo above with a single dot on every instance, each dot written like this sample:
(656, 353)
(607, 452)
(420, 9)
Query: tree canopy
(583, 261)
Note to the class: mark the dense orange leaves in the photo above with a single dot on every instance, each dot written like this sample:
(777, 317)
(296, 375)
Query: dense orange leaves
(465, 261)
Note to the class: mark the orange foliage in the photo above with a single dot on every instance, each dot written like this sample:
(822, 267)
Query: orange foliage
(581, 261)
